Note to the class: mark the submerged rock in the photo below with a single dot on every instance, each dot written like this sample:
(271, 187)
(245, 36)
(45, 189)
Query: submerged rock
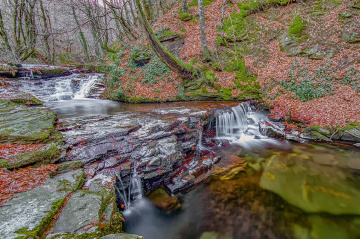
(163, 200)
(312, 187)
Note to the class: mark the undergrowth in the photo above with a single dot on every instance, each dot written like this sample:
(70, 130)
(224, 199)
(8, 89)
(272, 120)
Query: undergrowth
(320, 83)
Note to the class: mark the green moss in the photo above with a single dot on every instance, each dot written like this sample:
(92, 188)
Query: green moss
(27, 100)
(65, 185)
(185, 17)
(39, 230)
(204, 90)
(297, 26)
(193, 61)
(40, 156)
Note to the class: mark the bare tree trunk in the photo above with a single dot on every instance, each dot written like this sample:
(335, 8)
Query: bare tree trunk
(206, 52)
(185, 70)
(222, 19)
(184, 6)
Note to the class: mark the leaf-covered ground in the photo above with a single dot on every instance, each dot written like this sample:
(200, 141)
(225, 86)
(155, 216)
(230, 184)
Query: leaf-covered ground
(331, 98)
(22, 180)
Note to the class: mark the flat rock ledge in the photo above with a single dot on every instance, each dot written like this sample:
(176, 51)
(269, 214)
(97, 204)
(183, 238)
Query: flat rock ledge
(27, 212)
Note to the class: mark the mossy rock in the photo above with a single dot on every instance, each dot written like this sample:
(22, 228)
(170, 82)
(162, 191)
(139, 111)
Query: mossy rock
(8, 71)
(50, 72)
(22, 124)
(167, 35)
(39, 156)
(68, 166)
(350, 33)
(289, 45)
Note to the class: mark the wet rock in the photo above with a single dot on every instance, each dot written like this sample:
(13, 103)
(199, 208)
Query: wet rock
(69, 166)
(33, 210)
(351, 135)
(315, 136)
(350, 34)
(80, 211)
(271, 130)
(18, 97)
(43, 73)
(19, 123)
(289, 46)
(312, 187)
(122, 236)
(181, 184)
(163, 200)
(99, 182)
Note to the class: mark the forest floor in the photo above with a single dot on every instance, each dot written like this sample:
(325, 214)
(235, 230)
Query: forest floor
(303, 59)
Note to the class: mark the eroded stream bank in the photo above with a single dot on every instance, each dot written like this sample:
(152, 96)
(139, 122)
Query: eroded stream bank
(227, 178)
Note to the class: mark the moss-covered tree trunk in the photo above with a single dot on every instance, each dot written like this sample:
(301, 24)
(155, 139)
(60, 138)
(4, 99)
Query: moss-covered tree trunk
(185, 70)
(3, 34)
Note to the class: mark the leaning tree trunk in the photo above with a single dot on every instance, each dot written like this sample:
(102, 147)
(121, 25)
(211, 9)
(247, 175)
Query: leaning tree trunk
(185, 70)
(206, 52)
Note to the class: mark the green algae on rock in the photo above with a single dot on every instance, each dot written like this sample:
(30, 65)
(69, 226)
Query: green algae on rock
(45, 156)
(312, 187)
(22, 124)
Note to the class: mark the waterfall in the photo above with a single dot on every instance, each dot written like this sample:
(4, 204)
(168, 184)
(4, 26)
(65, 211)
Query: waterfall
(130, 192)
(233, 124)
(86, 87)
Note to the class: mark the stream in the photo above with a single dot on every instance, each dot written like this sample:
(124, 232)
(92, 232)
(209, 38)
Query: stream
(287, 190)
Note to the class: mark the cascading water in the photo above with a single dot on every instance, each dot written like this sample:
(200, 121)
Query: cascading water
(129, 191)
(233, 124)
(241, 126)
(63, 88)
(86, 87)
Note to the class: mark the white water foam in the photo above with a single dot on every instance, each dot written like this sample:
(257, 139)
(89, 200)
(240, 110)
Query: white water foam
(241, 126)
(86, 87)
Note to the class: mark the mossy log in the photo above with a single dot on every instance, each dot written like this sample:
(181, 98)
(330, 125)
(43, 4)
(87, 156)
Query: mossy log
(185, 70)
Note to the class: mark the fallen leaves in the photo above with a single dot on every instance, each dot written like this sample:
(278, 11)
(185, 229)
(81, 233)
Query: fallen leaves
(8, 150)
(22, 180)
